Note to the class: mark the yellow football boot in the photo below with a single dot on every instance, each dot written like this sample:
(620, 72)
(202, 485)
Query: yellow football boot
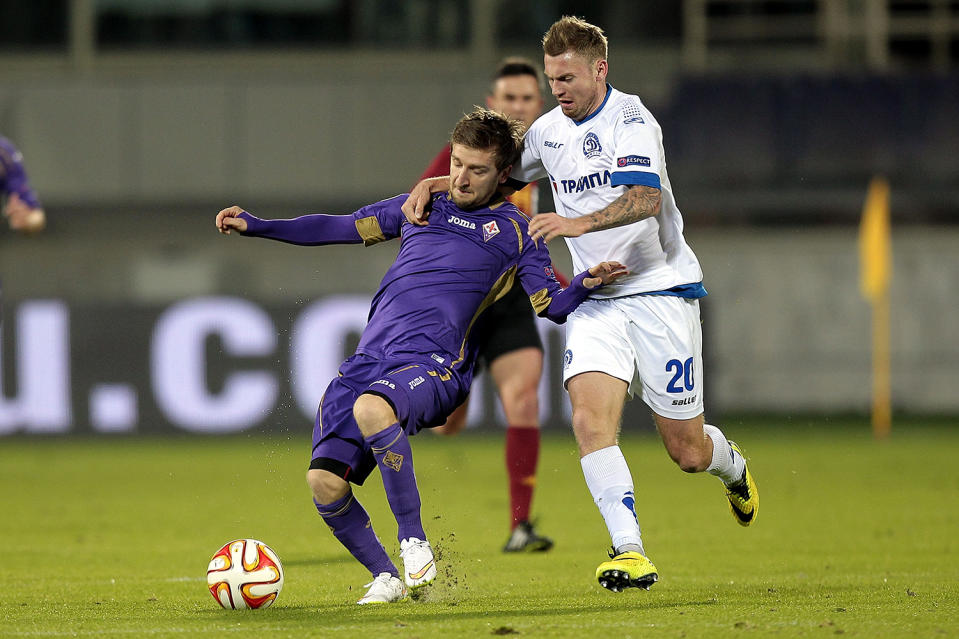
(626, 570)
(743, 496)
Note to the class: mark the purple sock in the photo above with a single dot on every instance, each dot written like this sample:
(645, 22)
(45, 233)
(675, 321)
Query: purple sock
(393, 454)
(350, 524)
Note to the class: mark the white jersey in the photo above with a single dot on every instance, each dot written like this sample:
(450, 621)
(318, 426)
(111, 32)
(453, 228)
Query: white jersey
(591, 163)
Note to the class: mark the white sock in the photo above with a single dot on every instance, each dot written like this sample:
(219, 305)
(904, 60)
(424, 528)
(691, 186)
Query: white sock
(727, 464)
(611, 485)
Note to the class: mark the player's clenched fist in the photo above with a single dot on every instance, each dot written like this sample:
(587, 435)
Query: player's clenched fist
(604, 273)
(228, 219)
(23, 217)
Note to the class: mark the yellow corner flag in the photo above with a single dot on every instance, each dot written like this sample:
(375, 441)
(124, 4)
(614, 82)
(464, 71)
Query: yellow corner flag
(875, 244)
(875, 261)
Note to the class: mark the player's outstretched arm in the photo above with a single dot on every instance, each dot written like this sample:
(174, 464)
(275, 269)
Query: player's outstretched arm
(637, 203)
(306, 230)
(416, 207)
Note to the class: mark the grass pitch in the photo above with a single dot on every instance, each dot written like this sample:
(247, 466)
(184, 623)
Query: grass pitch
(854, 537)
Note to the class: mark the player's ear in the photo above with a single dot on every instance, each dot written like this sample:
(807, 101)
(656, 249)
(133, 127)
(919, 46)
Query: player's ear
(504, 174)
(602, 68)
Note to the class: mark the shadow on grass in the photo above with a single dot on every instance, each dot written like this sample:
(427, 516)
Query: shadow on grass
(434, 612)
(543, 612)
(318, 561)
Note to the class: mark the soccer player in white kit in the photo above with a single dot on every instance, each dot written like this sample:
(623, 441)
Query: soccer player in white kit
(602, 151)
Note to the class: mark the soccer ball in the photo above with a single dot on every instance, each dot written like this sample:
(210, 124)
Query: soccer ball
(245, 573)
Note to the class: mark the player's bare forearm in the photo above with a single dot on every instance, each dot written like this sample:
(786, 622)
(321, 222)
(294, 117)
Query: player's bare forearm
(637, 203)
(432, 185)
(438, 184)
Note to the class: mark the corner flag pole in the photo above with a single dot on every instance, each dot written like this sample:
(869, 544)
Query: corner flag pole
(875, 260)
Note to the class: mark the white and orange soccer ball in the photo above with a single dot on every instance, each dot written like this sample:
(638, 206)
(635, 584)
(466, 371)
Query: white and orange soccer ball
(245, 573)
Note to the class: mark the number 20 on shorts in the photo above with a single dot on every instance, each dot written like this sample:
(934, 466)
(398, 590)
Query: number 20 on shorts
(682, 370)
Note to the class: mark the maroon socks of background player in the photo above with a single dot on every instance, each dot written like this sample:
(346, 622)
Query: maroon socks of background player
(522, 455)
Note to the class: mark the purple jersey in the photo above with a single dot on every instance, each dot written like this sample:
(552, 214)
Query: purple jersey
(13, 177)
(445, 275)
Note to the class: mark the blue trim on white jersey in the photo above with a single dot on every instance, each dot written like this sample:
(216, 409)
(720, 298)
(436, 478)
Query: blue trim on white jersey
(689, 291)
(609, 92)
(643, 178)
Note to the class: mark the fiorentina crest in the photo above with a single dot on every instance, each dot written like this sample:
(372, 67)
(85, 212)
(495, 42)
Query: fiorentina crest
(489, 230)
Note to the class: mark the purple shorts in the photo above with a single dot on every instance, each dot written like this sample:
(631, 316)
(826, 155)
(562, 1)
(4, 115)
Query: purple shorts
(422, 394)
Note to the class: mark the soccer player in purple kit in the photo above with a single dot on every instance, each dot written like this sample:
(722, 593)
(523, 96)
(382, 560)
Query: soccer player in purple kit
(509, 346)
(20, 205)
(414, 362)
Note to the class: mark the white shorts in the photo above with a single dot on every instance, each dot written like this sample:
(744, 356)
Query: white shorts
(653, 340)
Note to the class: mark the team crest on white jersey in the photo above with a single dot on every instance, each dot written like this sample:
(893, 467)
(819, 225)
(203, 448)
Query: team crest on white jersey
(489, 230)
(591, 145)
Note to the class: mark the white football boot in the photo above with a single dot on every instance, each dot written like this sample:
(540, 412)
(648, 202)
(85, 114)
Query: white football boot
(385, 588)
(419, 566)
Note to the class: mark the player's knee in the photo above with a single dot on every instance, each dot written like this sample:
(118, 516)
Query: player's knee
(325, 486)
(372, 413)
(690, 464)
(689, 458)
(581, 424)
(592, 432)
(521, 405)
(453, 426)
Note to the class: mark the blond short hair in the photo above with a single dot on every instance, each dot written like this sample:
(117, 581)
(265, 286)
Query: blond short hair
(570, 33)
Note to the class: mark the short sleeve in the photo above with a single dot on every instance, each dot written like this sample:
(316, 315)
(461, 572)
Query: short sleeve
(637, 157)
